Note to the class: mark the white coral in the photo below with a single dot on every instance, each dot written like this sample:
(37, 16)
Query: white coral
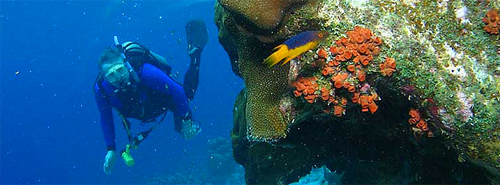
(467, 104)
(461, 14)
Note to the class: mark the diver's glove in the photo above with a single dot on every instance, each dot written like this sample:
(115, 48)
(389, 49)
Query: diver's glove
(109, 162)
(189, 129)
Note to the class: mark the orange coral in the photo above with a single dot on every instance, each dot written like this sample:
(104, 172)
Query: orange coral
(339, 80)
(338, 105)
(351, 68)
(388, 67)
(343, 101)
(418, 124)
(322, 53)
(306, 87)
(363, 49)
(338, 110)
(327, 71)
(414, 116)
(367, 103)
(347, 55)
(334, 63)
(325, 94)
(346, 65)
(310, 98)
(361, 74)
(492, 21)
(333, 50)
(340, 58)
(351, 88)
(355, 97)
(297, 93)
(360, 44)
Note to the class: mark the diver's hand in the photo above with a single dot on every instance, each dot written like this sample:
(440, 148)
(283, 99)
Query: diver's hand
(189, 129)
(109, 162)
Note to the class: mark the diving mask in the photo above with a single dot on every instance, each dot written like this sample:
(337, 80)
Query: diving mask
(117, 75)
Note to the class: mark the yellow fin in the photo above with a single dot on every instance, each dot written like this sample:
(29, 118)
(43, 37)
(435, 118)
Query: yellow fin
(280, 53)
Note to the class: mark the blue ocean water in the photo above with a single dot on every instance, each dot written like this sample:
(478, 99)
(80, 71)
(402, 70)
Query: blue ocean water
(50, 130)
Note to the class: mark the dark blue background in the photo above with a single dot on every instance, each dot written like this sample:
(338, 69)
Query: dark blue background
(50, 132)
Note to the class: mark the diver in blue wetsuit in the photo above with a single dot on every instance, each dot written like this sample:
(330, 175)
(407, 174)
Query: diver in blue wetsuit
(136, 83)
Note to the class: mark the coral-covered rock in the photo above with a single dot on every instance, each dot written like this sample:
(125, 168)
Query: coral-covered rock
(346, 70)
(265, 121)
(264, 86)
(414, 82)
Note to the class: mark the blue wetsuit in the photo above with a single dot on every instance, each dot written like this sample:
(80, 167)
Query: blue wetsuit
(150, 100)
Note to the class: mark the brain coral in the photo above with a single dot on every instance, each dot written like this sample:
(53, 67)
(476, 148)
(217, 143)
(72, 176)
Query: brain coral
(264, 89)
(265, 14)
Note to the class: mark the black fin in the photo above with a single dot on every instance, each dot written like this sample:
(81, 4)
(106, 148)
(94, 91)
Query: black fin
(197, 34)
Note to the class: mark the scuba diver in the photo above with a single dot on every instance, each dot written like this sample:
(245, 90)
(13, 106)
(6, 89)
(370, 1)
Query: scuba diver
(136, 82)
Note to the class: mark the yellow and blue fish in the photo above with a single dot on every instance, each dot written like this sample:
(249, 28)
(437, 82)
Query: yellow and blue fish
(295, 46)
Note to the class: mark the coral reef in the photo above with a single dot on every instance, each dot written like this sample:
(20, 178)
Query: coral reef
(175, 178)
(443, 52)
(400, 92)
(319, 176)
(340, 72)
(221, 169)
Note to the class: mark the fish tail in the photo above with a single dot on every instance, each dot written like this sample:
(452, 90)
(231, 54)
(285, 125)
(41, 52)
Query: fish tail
(280, 53)
(290, 57)
(286, 60)
(298, 51)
